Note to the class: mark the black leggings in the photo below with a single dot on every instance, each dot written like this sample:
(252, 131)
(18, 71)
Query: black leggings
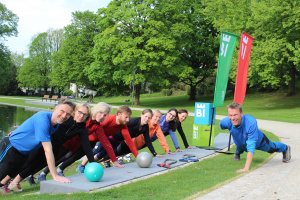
(37, 160)
(70, 159)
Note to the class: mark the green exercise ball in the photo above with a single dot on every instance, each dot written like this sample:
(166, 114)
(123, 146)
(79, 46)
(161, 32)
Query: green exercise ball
(93, 172)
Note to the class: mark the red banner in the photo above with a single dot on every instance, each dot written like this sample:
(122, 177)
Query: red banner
(242, 70)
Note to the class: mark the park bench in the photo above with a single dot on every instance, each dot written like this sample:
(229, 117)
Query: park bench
(45, 97)
(64, 97)
(55, 98)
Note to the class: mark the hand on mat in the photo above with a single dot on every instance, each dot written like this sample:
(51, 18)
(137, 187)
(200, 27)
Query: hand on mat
(189, 147)
(61, 179)
(116, 164)
(242, 170)
(179, 150)
(171, 153)
(160, 156)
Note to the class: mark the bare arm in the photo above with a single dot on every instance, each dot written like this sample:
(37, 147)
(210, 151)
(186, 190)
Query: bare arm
(248, 163)
(51, 163)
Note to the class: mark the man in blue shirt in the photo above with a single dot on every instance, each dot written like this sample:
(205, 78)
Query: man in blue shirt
(248, 137)
(32, 134)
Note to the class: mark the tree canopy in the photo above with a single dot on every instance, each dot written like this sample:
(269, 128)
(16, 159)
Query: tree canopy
(8, 22)
(8, 27)
(274, 61)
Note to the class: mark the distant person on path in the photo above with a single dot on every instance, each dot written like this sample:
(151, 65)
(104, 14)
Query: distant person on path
(32, 134)
(248, 137)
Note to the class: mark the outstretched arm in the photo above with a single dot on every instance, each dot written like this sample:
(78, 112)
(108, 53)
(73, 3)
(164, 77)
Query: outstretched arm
(51, 163)
(248, 163)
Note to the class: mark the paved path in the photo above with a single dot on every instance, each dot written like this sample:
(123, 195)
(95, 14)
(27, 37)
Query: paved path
(274, 180)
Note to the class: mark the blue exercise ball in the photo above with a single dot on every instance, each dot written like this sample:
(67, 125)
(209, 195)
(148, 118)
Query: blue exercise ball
(144, 159)
(93, 172)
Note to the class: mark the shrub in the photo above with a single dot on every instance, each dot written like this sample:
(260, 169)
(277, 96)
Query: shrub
(167, 92)
(68, 92)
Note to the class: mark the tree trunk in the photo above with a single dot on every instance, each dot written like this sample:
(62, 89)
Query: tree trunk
(45, 89)
(137, 94)
(292, 82)
(193, 93)
(52, 91)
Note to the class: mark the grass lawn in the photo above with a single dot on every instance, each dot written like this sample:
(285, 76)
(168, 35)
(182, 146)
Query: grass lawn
(269, 106)
(201, 176)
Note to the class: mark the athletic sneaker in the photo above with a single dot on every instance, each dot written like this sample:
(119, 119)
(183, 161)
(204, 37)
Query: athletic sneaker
(41, 177)
(15, 187)
(286, 155)
(128, 158)
(121, 161)
(61, 174)
(4, 190)
(7, 184)
(80, 169)
(106, 164)
(30, 180)
(236, 157)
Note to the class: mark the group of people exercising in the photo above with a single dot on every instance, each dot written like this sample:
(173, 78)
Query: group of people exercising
(47, 140)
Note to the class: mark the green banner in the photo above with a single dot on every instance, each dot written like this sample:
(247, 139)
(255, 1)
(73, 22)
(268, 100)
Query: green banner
(227, 46)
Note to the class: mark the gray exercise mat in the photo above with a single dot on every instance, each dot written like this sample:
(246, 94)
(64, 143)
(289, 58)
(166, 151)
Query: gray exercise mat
(132, 171)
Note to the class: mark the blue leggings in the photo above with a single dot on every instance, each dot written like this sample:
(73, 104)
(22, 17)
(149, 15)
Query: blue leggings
(267, 146)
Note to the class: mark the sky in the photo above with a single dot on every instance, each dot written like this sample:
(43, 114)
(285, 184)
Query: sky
(37, 16)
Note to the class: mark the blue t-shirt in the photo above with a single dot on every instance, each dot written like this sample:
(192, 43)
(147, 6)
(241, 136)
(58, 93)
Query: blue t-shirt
(247, 136)
(32, 132)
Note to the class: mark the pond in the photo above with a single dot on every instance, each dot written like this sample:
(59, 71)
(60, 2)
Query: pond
(11, 116)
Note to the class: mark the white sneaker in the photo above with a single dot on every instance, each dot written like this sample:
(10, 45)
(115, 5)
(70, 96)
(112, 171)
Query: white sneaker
(121, 161)
(128, 158)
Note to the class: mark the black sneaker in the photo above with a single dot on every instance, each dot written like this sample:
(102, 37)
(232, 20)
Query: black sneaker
(236, 157)
(30, 180)
(286, 155)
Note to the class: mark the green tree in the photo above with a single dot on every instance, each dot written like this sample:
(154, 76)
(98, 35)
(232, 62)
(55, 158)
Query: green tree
(10, 87)
(134, 36)
(40, 54)
(8, 22)
(197, 39)
(275, 28)
(17, 59)
(75, 54)
(8, 27)
(5, 64)
(55, 38)
(27, 75)
(37, 66)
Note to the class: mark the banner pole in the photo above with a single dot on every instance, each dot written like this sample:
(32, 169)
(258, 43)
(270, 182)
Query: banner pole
(211, 125)
(228, 150)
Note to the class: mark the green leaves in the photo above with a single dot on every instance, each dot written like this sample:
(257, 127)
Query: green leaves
(8, 22)
(275, 28)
